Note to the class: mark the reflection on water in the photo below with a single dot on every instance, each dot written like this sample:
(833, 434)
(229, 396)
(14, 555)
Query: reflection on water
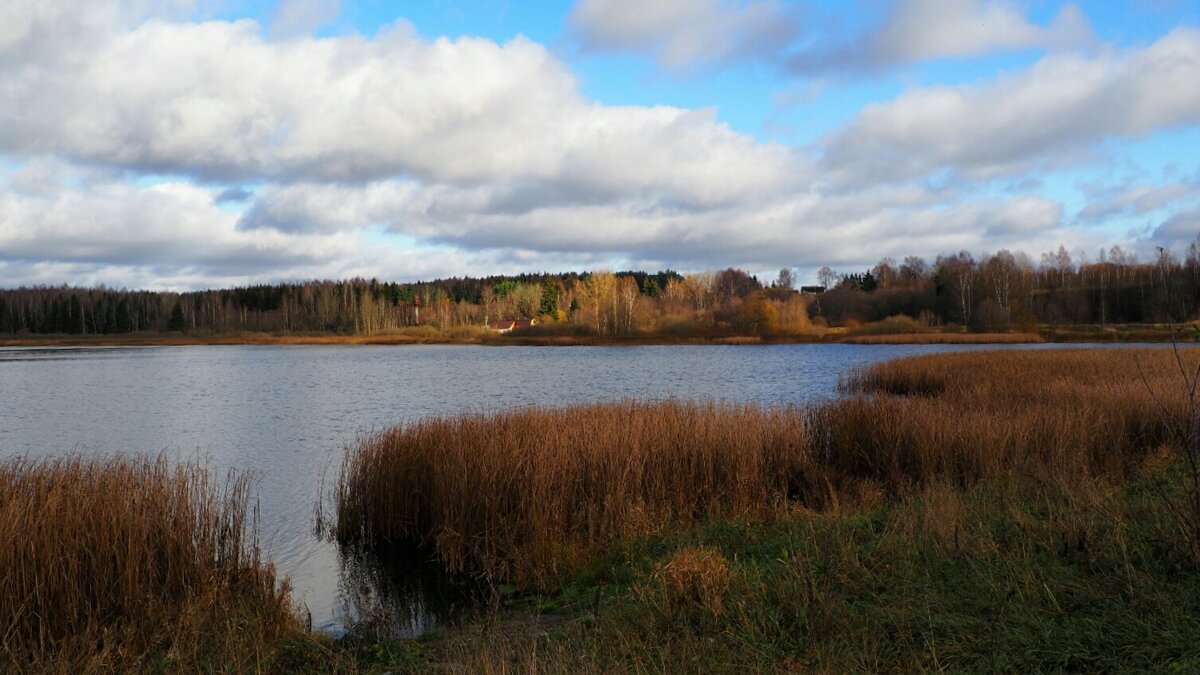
(16, 354)
(287, 413)
(401, 591)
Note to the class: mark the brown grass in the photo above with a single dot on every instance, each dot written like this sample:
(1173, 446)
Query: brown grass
(126, 564)
(529, 493)
(691, 577)
(944, 338)
(524, 496)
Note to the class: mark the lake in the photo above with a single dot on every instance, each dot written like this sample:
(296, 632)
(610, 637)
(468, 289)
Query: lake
(288, 413)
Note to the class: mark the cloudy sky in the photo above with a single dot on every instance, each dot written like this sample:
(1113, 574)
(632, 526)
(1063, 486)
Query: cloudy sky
(196, 143)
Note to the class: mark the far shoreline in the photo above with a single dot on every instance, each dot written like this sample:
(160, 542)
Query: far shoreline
(835, 336)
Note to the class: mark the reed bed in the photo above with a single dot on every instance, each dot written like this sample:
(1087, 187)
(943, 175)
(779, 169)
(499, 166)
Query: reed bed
(124, 564)
(524, 496)
(944, 339)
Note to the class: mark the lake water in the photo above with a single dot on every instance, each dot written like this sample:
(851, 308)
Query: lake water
(288, 413)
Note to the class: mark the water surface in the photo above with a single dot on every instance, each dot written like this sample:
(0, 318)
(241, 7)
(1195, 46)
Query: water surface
(288, 412)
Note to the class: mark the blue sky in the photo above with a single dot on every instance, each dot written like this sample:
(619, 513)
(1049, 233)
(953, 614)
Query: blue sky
(193, 143)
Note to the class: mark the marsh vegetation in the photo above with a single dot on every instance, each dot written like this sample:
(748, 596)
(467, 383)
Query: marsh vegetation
(122, 564)
(1014, 511)
(525, 496)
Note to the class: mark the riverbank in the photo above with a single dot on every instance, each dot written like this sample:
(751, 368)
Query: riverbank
(1132, 334)
(991, 511)
(1010, 511)
(1011, 575)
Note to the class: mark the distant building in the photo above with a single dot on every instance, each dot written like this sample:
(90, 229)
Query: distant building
(511, 325)
(812, 290)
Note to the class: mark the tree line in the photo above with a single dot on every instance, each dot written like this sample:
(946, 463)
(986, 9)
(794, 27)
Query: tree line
(993, 291)
(990, 292)
(600, 303)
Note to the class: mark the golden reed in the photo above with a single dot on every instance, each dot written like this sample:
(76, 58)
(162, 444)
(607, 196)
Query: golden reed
(524, 496)
(106, 561)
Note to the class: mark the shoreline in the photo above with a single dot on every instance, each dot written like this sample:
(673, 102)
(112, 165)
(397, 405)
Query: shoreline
(831, 337)
(134, 340)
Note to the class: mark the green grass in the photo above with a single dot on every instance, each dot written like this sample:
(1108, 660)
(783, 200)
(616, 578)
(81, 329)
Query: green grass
(969, 512)
(1023, 573)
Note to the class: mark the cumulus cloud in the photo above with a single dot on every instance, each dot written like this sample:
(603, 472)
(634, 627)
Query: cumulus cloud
(1021, 216)
(924, 29)
(919, 30)
(406, 157)
(216, 101)
(233, 195)
(1179, 231)
(168, 225)
(681, 33)
(65, 31)
(1137, 200)
(1062, 104)
(797, 228)
(298, 17)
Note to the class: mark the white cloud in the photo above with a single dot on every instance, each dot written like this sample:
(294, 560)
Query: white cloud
(917, 30)
(1021, 216)
(298, 17)
(215, 100)
(1062, 104)
(403, 157)
(1137, 200)
(804, 227)
(1179, 231)
(682, 33)
(93, 220)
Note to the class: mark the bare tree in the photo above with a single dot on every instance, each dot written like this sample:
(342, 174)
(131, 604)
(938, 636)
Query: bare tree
(827, 277)
(786, 279)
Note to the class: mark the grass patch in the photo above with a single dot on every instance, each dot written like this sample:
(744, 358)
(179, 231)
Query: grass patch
(1010, 575)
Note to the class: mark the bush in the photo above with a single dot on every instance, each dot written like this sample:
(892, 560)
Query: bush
(989, 317)
(893, 325)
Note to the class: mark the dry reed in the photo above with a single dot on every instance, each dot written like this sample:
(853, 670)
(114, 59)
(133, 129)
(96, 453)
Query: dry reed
(105, 563)
(523, 496)
(944, 338)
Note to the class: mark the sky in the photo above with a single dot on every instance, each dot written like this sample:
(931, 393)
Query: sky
(184, 144)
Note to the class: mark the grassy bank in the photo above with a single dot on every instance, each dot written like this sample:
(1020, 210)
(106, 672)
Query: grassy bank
(983, 511)
(1010, 575)
(945, 339)
(910, 333)
(1005, 512)
(121, 564)
(522, 496)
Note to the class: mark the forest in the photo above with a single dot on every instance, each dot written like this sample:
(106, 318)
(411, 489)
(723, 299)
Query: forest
(988, 293)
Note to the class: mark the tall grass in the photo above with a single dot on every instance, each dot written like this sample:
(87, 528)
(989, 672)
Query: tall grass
(524, 496)
(942, 338)
(961, 417)
(129, 564)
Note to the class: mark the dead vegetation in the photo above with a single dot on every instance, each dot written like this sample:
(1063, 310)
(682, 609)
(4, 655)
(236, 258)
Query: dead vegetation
(115, 565)
(527, 495)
